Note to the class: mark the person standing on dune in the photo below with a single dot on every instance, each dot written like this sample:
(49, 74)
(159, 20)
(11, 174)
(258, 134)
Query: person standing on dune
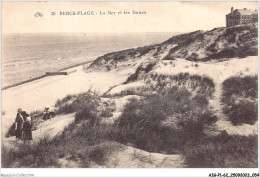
(19, 125)
(27, 127)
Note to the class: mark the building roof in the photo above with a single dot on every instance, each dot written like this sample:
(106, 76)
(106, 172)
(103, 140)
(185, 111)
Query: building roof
(245, 11)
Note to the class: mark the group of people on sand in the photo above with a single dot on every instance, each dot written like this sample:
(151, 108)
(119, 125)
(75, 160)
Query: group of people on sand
(23, 126)
(23, 123)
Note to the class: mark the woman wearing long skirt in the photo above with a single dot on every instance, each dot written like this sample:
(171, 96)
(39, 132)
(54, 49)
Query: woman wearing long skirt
(19, 121)
(27, 128)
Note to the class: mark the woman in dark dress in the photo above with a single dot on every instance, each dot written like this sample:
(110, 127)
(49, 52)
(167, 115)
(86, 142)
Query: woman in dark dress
(19, 121)
(27, 127)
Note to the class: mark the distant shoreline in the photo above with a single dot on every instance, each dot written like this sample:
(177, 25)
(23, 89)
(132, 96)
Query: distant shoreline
(53, 52)
(42, 76)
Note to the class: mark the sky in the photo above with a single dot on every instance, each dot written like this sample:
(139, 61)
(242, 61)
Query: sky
(18, 17)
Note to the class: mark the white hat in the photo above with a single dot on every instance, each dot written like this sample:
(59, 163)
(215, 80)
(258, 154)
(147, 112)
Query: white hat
(19, 110)
(28, 118)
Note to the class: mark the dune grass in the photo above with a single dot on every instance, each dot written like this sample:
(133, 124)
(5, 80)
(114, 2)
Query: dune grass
(175, 123)
(222, 151)
(142, 121)
(40, 154)
(194, 83)
(171, 122)
(75, 103)
(161, 83)
(240, 99)
(140, 90)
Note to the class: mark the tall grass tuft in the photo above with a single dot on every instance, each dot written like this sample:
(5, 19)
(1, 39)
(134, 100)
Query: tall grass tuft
(222, 151)
(142, 121)
(240, 99)
(196, 83)
(73, 103)
(37, 155)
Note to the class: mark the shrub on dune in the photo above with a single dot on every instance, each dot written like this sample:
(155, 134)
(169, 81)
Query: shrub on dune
(240, 99)
(222, 151)
(39, 155)
(243, 112)
(142, 121)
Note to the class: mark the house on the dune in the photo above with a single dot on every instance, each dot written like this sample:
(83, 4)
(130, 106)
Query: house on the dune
(241, 16)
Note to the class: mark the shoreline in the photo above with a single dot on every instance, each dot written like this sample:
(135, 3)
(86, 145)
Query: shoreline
(43, 76)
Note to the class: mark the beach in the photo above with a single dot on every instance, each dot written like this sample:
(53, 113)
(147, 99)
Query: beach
(46, 91)
(27, 56)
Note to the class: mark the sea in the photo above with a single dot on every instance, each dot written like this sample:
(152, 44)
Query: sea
(27, 56)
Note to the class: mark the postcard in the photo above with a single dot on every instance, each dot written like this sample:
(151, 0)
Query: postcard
(165, 84)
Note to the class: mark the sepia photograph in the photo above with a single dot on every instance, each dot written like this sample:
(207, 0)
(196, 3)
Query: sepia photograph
(130, 85)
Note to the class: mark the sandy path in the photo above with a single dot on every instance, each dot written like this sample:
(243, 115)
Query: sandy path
(52, 127)
(223, 123)
(136, 158)
(130, 157)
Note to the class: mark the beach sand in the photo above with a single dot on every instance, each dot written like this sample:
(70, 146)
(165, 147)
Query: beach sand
(45, 92)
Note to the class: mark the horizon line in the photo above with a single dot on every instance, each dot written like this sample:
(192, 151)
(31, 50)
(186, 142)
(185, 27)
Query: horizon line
(93, 32)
